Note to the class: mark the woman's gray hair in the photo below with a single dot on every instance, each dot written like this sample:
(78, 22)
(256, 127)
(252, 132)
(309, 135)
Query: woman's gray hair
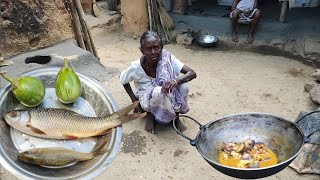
(148, 34)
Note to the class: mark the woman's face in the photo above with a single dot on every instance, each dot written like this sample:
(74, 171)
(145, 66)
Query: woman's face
(151, 48)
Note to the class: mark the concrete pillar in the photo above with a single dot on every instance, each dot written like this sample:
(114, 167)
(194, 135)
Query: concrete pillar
(134, 16)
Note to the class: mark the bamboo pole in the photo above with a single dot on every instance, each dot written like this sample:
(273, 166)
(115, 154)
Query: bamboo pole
(83, 24)
(76, 25)
(95, 53)
(150, 16)
(154, 25)
(86, 30)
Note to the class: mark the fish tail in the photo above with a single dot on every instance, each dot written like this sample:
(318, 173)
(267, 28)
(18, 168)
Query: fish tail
(125, 116)
(129, 117)
(125, 111)
(101, 143)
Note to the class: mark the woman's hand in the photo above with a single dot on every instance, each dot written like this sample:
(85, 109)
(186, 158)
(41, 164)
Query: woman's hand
(189, 74)
(138, 108)
(169, 85)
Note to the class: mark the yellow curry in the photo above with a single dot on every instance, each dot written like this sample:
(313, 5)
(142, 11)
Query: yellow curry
(247, 154)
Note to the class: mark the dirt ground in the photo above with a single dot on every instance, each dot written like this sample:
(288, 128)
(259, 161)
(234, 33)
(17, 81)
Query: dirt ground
(227, 83)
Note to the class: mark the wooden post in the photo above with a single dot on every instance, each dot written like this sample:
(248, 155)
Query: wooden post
(284, 7)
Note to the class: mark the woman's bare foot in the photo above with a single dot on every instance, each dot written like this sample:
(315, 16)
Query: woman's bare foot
(234, 37)
(150, 125)
(181, 127)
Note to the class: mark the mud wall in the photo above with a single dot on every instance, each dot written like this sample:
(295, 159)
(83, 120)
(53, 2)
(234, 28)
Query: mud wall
(32, 24)
(134, 16)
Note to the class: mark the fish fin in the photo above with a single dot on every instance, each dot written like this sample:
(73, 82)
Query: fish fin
(70, 137)
(133, 116)
(101, 143)
(125, 111)
(35, 130)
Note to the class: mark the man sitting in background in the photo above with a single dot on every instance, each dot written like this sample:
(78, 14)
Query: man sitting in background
(245, 11)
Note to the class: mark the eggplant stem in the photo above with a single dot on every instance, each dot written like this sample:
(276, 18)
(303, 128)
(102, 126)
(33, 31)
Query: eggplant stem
(7, 78)
(66, 62)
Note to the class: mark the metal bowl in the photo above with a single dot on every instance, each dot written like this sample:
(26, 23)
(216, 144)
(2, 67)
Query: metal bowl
(206, 40)
(95, 101)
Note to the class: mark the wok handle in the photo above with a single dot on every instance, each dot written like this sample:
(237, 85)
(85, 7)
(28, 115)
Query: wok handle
(192, 141)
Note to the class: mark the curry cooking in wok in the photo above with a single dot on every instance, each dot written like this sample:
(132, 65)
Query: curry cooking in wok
(247, 154)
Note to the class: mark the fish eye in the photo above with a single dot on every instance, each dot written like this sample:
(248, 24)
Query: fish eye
(14, 114)
(27, 153)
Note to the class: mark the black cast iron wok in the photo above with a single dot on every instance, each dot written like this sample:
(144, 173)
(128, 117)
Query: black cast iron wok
(283, 137)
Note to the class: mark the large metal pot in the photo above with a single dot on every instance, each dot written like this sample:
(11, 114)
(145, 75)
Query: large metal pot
(95, 101)
(281, 136)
